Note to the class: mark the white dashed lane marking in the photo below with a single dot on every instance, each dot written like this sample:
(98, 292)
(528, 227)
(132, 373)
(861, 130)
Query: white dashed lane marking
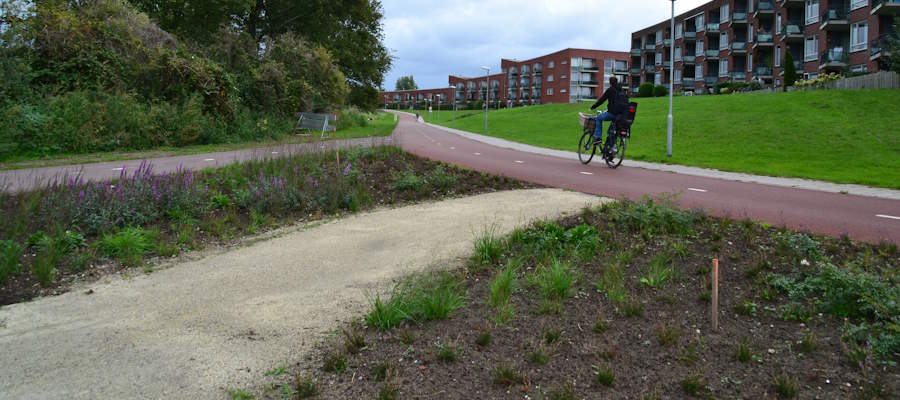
(453, 148)
(520, 162)
(697, 190)
(477, 154)
(274, 152)
(586, 173)
(117, 169)
(209, 159)
(888, 217)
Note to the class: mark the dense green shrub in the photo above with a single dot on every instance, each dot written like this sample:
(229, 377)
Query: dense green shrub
(645, 90)
(660, 91)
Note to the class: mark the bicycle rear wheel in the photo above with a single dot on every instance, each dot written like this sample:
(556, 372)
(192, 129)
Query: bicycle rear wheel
(586, 147)
(616, 154)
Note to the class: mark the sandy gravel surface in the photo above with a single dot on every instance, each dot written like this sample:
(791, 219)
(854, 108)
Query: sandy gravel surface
(201, 327)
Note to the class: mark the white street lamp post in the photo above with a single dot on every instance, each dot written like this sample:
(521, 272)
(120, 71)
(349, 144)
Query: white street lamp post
(487, 94)
(453, 118)
(671, 81)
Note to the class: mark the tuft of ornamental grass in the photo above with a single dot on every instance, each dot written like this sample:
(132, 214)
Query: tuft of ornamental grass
(552, 336)
(692, 384)
(447, 353)
(334, 363)
(488, 248)
(483, 339)
(387, 392)
(565, 393)
(555, 283)
(539, 357)
(746, 308)
(506, 375)
(661, 271)
(785, 386)
(809, 343)
(128, 245)
(606, 376)
(354, 341)
(667, 335)
(600, 325)
(382, 370)
(10, 259)
(743, 352)
(612, 282)
(501, 289)
(306, 387)
(417, 300)
(631, 307)
(240, 394)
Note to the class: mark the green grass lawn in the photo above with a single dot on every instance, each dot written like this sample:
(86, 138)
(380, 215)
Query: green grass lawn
(832, 135)
(383, 124)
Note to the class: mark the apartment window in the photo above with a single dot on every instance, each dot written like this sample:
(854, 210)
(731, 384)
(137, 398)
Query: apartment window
(812, 11)
(724, 15)
(550, 92)
(859, 69)
(698, 72)
(563, 77)
(855, 4)
(859, 33)
(550, 64)
(778, 56)
(677, 75)
(659, 58)
(657, 79)
(699, 49)
(562, 91)
(723, 68)
(723, 40)
(750, 62)
(550, 78)
(678, 30)
(750, 32)
(778, 23)
(700, 25)
(812, 48)
(564, 62)
(659, 37)
(678, 54)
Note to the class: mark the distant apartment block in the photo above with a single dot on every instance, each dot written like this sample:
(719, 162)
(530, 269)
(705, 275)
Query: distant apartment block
(744, 40)
(566, 76)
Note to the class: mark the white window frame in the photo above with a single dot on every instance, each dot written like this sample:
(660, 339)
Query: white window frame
(562, 91)
(777, 56)
(657, 78)
(701, 24)
(750, 31)
(812, 12)
(678, 53)
(855, 30)
(724, 14)
(778, 23)
(659, 59)
(807, 56)
(550, 64)
(550, 78)
(698, 72)
(677, 75)
(549, 91)
(659, 37)
(564, 77)
(857, 4)
(564, 62)
(723, 67)
(699, 49)
(679, 30)
(723, 41)
(859, 68)
(749, 62)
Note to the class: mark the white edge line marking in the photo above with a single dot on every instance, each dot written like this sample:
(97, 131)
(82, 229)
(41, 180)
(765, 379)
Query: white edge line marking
(888, 216)
(453, 148)
(117, 169)
(209, 159)
(477, 154)
(698, 190)
(274, 152)
(586, 173)
(520, 162)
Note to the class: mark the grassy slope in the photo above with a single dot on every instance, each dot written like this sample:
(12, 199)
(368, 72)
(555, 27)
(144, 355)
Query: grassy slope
(839, 136)
(383, 125)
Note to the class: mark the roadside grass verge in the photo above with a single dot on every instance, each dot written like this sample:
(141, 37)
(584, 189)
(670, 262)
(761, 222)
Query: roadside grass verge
(375, 124)
(69, 227)
(804, 134)
(545, 320)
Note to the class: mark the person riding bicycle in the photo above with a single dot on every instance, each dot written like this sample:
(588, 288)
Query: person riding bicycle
(617, 103)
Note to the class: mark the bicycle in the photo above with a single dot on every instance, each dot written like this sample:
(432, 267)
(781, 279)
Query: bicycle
(613, 150)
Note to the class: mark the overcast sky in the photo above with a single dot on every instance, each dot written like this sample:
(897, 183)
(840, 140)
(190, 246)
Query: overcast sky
(431, 39)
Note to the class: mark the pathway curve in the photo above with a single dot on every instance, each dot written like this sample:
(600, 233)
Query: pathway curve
(862, 217)
(199, 328)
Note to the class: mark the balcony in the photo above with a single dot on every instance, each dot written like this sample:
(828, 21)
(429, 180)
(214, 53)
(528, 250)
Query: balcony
(792, 32)
(739, 47)
(635, 71)
(764, 40)
(834, 58)
(666, 64)
(618, 69)
(650, 47)
(878, 47)
(712, 27)
(711, 80)
(739, 76)
(538, 72)
(650, 68)
(687, 83)
(885, 7)
(739, 18)
(689, 60)
(711, 54)
(635, 52)
(690, 36)
(835, 19)
(667, 42)
(589, 68)
(764, 7)
(589, 83)
(762, 71)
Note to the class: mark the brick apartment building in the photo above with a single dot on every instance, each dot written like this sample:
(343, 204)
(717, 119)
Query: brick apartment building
(744, 40)
(565, 76)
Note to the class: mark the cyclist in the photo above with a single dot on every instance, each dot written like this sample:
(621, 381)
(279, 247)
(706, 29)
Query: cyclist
(617, 102)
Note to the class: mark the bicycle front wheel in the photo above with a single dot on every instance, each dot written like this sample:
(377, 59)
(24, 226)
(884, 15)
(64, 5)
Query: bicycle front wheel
(616, 154)
(586, 147)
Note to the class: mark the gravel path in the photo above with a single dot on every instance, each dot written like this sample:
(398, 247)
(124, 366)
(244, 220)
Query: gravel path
(202, 327)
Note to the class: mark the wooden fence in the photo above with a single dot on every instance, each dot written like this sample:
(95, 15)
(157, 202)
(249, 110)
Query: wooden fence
(878, 80)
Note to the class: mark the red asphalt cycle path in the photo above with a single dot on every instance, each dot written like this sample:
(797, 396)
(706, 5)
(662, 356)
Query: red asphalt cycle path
(862, 218)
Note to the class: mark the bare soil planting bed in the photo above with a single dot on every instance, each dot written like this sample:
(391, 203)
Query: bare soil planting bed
(615, 303)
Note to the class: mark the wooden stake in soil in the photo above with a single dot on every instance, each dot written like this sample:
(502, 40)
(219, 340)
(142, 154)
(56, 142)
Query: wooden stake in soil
(715, 294)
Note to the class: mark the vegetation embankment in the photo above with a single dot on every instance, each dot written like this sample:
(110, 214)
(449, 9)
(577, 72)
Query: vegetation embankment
(69, 229)
(832, 135)
(615, 302)
(101, 76)
(353, 125)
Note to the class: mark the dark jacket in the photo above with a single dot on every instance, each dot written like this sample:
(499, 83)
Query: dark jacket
(609, 94)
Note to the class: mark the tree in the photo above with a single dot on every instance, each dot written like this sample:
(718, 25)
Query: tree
(406, 83)
(790, 71)
(893, 47)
